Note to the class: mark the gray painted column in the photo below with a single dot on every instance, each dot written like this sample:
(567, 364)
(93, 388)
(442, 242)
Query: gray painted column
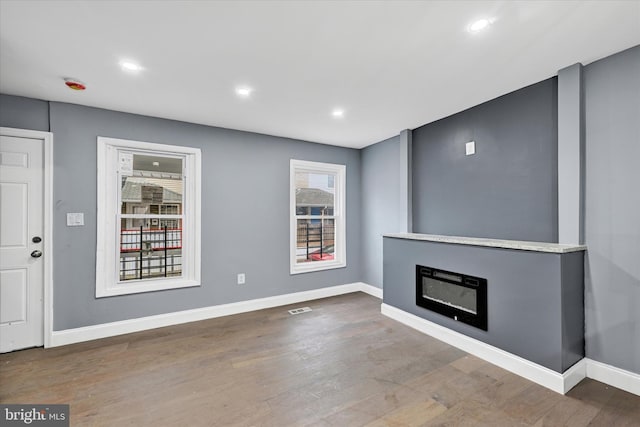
(406, 207)
(570, 155)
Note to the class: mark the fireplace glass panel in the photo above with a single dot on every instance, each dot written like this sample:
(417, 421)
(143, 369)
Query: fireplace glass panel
(450, 294)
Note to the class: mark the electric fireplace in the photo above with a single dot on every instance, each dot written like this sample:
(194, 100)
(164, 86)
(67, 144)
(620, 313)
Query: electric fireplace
(455, 295)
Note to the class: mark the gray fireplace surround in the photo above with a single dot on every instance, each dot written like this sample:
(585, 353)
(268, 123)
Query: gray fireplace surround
(535, 291)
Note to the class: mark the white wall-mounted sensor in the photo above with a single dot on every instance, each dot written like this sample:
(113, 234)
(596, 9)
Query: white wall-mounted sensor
(470, 148)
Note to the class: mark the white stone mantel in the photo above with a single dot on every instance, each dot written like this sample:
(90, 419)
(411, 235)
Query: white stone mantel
(493, 243)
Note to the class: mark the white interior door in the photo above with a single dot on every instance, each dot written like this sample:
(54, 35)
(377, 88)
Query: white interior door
(21, 243)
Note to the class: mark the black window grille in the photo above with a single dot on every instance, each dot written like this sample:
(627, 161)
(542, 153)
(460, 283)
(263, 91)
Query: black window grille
(150, 253)
(316, 238)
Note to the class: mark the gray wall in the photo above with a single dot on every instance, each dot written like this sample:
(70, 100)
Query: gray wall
(24, 113)
(508, 189)
(612, 214)
(380, 204)
(245, 214)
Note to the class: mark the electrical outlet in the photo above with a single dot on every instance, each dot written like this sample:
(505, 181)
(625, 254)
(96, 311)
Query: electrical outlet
(241, 279)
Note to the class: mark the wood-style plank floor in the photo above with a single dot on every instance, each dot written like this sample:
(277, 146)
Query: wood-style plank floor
(342, 364)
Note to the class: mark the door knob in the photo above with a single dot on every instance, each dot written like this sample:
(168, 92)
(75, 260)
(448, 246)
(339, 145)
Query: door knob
(36, 254)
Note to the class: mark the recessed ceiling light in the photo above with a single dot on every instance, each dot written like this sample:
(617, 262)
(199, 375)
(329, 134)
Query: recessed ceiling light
(156, 163)
(244, 91)
(338, 113)
(479, 25)
(130, 66)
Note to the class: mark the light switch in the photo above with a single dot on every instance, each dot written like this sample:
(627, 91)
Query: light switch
(75, 219)
(470, 148)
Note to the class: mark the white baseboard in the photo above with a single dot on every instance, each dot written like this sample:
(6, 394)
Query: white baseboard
(560, 383)
(88, 333)
(574, 375)
(616, 377)
(371, 290)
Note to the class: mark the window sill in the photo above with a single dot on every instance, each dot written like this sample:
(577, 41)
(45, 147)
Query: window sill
(145, 286)
(316, 266)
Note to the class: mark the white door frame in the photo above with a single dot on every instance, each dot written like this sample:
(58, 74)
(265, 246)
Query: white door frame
(47, 206)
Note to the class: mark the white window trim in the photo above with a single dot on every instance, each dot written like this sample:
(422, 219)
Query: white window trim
(339, 212)
(107, 269)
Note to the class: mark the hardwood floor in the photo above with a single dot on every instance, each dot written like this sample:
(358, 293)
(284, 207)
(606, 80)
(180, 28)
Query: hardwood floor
(342, 364)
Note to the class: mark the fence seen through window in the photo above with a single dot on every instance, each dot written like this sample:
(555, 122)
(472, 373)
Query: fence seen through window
(315, 221)
(147, 253)
(151, 214)
(315, 240)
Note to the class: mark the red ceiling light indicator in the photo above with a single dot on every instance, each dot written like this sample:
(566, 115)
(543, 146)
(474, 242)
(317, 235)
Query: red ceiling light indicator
(74, 84)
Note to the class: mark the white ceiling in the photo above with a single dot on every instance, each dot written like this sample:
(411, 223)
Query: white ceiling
(391, 65)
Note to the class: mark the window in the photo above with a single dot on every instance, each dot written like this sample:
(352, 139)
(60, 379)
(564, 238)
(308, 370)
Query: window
(148, 217)
(317, 199)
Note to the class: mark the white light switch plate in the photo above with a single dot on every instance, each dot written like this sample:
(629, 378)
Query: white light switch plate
(75, 219)
(470, 148)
